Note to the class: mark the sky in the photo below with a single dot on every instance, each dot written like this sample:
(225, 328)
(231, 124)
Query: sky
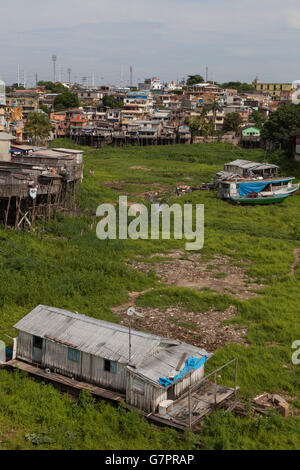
(171, 39)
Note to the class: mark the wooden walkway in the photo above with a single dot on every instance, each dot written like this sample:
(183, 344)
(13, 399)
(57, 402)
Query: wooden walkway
(74, 387)
(204, 400)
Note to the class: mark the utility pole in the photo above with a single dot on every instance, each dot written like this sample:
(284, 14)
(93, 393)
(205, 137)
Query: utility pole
(36, 79)
(24, 78)
(121, 77)
(69, 75)
(54, 67)
(131, 76)
(206, 74)
(18, 75)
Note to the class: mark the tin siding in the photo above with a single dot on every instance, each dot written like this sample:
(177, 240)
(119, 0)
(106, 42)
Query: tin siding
(56, 357)
(89, 368)
(114, 381)
(148, 400)
(24, 346)
(184, 384)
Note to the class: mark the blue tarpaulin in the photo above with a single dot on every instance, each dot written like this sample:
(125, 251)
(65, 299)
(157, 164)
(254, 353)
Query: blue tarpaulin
(192, 363)
(256, 187)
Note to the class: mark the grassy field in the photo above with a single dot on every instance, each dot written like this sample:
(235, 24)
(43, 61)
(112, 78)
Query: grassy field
(68, 267)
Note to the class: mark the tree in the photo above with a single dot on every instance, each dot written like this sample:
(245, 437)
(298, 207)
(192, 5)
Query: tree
(212, 107)
(194, 79)
(232, 122)
(201, 125)
(38, 126)
(282, 125)
(13, 87)
(52, 87)
(110, 101)
(44, 108)
(240, 87)
(194, 128)
(66, 100)
(257, 118)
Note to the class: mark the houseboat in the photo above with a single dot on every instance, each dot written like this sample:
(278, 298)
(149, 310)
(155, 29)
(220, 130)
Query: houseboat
(245, 182)
(162, 377)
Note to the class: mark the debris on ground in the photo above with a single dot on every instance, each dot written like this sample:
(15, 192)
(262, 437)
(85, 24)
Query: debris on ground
(157, 191)
(184, 189)
(261, 404)
(202, 329)
(189, 270)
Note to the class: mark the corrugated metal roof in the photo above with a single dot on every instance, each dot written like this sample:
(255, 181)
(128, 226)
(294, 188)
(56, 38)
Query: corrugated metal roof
(90, 335)
(248, 164)
(165, 361)
(50, 153)
(63, 150)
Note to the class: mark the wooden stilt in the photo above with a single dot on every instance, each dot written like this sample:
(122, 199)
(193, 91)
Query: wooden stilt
(6, 212)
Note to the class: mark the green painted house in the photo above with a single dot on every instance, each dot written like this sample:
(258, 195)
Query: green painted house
(251, 131)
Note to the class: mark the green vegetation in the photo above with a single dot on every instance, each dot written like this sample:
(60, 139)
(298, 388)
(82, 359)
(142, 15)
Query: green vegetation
(45, 108)
(60, 423)
(66, 100)
(194, 79)
(52, 87)
(239, 86)
(38, 126)
(232, 122)
(68, 267)
(282, 126)
(257, 118)
(110, 101)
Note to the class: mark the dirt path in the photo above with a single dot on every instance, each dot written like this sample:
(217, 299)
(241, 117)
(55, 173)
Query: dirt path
(296, 254)
(133, 297)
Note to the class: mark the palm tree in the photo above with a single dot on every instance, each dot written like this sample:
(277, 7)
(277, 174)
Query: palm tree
(213, 106)
(38, 126)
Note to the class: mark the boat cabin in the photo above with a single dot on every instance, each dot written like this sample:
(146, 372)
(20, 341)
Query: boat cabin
(246, 168)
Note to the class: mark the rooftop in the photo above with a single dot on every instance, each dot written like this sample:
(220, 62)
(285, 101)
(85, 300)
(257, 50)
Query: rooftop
(152, 356)
(251, 165)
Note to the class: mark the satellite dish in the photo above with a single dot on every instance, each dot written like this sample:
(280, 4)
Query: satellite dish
(131, 311)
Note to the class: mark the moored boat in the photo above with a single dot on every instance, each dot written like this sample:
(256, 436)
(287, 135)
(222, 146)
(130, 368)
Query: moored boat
(260, 185)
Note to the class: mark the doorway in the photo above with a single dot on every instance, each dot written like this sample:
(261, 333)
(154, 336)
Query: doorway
(171, 393)
(37, 349)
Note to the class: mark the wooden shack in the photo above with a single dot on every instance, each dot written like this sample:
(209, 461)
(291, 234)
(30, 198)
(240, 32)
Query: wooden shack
(153, 369)
(246, 168)
(36, 183)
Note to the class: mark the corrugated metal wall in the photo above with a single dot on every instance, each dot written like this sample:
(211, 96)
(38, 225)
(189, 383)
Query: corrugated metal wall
(139, 393)
(146, 397)
(24, 346)
(184, 384)
(89, 368)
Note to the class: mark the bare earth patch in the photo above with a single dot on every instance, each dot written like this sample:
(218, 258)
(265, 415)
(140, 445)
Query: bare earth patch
(138, 167)
(200, 329)
(184, 269)
(296, 254)
(158, 191)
